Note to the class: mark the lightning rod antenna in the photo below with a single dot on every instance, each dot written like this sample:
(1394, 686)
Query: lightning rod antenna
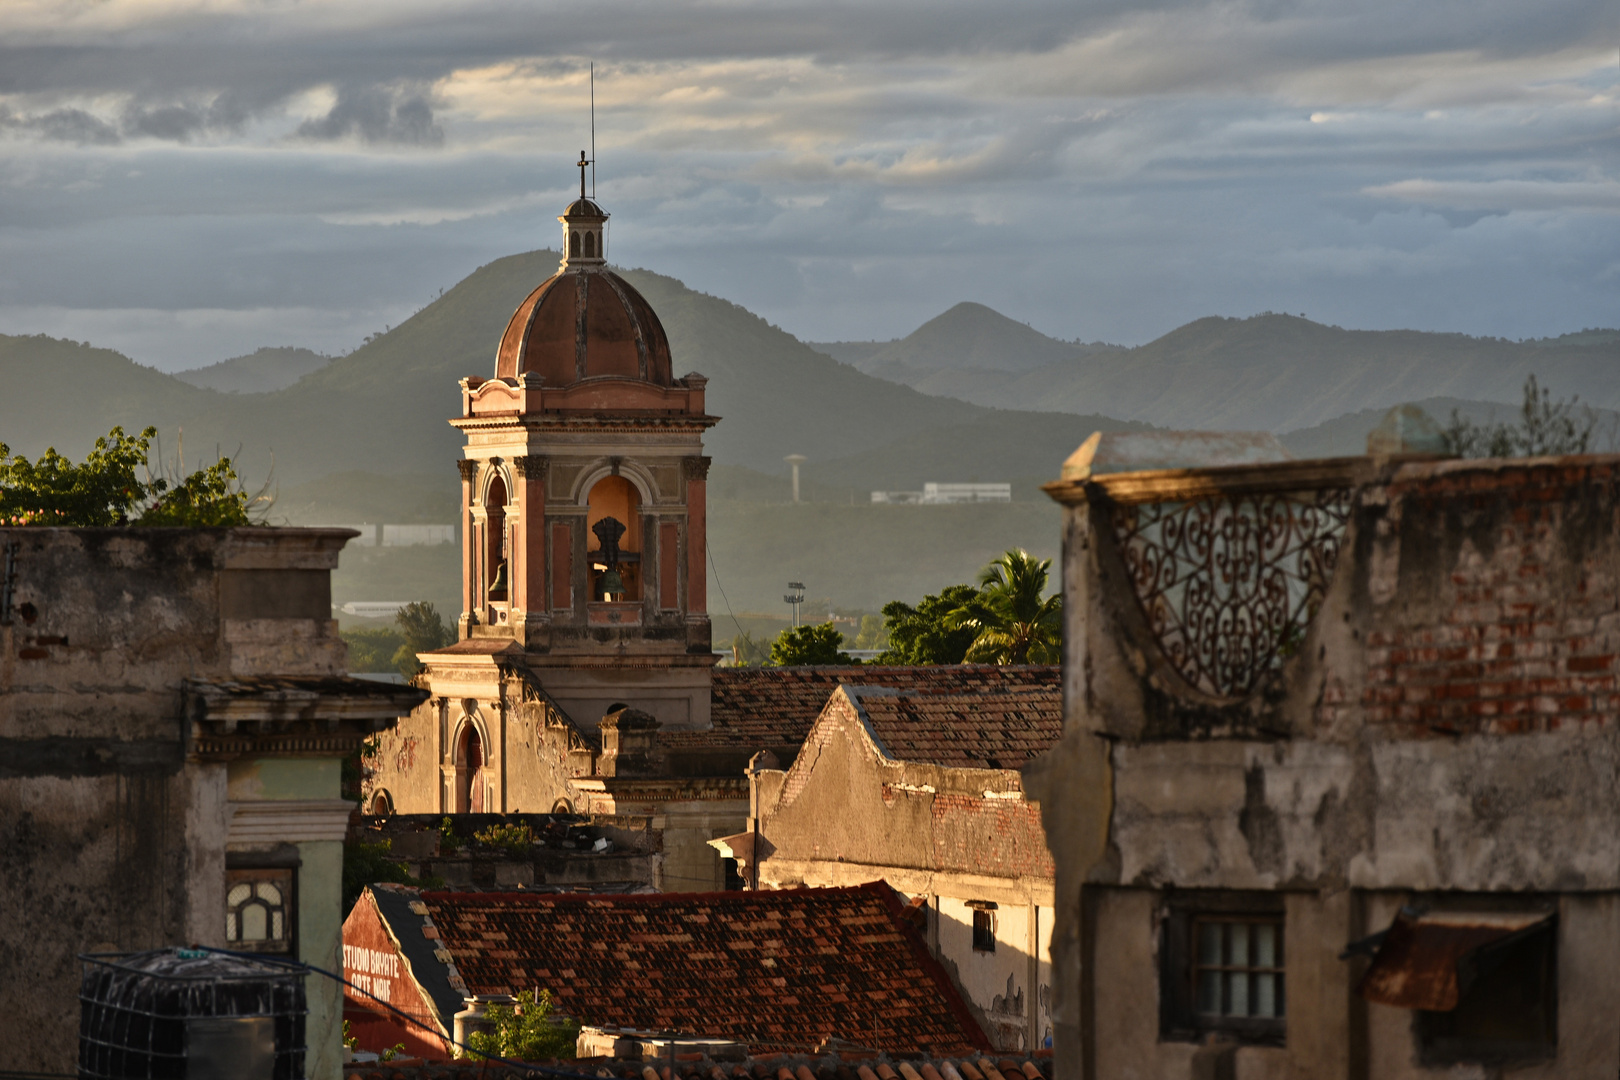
(593, 129)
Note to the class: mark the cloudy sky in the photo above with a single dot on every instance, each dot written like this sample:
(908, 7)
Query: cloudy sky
(185, 180)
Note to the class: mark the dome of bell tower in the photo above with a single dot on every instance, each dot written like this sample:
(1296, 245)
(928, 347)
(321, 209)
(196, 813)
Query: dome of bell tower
(585, 321)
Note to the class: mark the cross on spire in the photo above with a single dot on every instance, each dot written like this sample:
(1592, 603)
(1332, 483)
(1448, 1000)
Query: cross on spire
(582, 166)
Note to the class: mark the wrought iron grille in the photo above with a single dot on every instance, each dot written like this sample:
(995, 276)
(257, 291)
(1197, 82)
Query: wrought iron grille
(1229, 583)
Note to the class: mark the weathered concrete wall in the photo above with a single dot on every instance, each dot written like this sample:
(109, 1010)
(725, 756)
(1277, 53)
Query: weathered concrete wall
(531, 751)
(1446, 725)
(111, 837)
(405, 763)
(845, 814)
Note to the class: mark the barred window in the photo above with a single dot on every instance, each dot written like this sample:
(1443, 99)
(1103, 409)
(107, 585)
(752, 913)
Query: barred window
(259, 910)
(1223, 966)
(1239, 967)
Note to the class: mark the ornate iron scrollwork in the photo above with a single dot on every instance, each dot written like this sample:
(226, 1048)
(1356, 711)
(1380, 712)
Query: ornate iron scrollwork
(1228, 584)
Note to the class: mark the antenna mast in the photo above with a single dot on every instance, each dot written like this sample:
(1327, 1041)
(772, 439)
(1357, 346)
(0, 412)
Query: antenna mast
(593, 129)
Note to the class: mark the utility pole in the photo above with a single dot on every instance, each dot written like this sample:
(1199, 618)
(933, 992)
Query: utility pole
(795, 460)
(795, 597)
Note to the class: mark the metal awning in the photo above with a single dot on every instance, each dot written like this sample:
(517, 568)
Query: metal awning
(1427, 960)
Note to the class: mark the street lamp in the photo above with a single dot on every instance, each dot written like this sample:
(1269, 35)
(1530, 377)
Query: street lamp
(795, 597)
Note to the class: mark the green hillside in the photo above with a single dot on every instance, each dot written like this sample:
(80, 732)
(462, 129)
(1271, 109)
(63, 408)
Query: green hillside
(383, 408)
(1270, 372)
(971, 336)
(66, 394)
(258, 372)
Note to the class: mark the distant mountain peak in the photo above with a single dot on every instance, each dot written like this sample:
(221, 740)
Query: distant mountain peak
(265, 369)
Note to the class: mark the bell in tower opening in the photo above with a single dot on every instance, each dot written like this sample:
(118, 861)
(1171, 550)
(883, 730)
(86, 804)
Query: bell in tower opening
(583, 501)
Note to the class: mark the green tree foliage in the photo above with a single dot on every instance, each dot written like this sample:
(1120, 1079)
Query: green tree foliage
(367, 864)
(373, 648)
(1545, 428)
(105, 490)
(872, 634)
(528, 1031)
(817, 643)
(423, 631)
(750, 651)
(1012, 622)
(923, 634)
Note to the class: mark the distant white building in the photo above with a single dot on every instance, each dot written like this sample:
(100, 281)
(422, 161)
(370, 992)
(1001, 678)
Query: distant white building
(417, 535)
(966, 493)
(374, 609)
(934, 494)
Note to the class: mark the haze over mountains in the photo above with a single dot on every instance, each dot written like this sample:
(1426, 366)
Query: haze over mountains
(970, 394)
(363, 437)
(258, 372)
(1270, 372)
(383, 408)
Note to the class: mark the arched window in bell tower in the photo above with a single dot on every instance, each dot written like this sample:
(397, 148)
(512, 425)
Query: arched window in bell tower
(613, 537)
(573, 244)
(498, 583)
(590, 245)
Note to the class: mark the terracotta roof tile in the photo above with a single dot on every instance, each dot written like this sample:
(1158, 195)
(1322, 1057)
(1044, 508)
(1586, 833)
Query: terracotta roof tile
(775, 969)
(754, 708)
(845, 1065)
(986, 730)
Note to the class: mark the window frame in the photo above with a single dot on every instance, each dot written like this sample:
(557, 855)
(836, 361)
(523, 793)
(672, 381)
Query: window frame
(1183, 911)
(984, 937)
(1438, 1049)
(283, 866)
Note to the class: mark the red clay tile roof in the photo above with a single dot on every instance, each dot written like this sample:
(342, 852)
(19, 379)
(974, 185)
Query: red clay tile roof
(1002, 1064)
(1019, 1065)
(986, 730)
(755, 708)
(779, 970)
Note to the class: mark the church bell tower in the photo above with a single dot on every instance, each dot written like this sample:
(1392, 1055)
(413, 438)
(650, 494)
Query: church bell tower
(583, 497)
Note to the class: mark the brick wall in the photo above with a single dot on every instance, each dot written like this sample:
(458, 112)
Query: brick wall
(999, 837)
(1503, 615)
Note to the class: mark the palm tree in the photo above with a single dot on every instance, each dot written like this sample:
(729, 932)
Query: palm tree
(1014, 623)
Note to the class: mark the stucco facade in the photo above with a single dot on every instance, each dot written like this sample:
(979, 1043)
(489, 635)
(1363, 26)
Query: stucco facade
(173, 712)
(1428, 724)
(963, 842)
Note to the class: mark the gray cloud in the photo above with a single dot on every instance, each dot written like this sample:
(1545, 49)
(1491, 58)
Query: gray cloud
(63, 125)
(176, 123)
(1108, 169)
(378, 114)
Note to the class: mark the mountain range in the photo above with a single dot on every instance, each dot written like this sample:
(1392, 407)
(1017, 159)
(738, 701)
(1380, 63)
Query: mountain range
(1270, 372)
(363, 437)
(969, 395)
(383, 408)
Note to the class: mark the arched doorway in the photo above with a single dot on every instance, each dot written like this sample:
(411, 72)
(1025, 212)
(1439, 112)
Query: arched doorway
(470, 772)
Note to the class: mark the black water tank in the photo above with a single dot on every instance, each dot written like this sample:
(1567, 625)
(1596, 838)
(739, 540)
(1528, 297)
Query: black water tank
(190, 1014)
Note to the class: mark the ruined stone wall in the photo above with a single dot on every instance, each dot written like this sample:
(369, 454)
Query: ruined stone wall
(1446, 727)
(404, 764)
(110, 839)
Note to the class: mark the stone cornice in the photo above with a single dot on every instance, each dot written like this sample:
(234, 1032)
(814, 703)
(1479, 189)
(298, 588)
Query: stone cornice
(295, 716)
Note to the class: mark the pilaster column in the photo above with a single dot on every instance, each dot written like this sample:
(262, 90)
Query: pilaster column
(529, 580)
(696, 470)
(469, 471)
